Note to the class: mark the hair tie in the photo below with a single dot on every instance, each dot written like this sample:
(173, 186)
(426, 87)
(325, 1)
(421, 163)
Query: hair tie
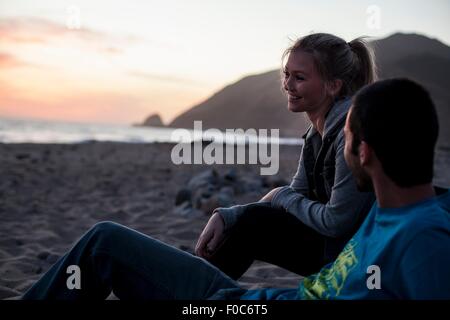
(350, 47)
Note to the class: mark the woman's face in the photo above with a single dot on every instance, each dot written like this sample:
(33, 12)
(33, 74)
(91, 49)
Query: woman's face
(303, 83)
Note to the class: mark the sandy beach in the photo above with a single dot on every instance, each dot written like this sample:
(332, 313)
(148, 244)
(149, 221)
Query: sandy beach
(50, 194)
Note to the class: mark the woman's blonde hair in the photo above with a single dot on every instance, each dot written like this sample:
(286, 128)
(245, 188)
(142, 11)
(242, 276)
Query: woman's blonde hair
(353, 62)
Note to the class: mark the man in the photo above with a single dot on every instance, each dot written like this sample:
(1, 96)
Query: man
(401, 251)
(391, 132)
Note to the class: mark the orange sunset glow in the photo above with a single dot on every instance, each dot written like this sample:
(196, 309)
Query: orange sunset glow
(52, 72)
(120, 61)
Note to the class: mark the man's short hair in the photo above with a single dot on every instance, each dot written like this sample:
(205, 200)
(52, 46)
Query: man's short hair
(397, 118)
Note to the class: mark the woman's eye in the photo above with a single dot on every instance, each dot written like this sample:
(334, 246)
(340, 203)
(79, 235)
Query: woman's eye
(300, 78)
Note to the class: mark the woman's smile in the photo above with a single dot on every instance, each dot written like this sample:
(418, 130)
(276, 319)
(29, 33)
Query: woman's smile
(293, 98)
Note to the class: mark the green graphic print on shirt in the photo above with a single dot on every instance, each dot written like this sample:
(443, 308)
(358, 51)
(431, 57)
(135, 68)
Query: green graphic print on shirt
(330, 280)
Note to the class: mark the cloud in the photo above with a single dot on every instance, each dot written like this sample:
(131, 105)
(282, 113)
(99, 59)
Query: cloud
(112, 50)
(159, 77)
(22, 30)
(9, 61)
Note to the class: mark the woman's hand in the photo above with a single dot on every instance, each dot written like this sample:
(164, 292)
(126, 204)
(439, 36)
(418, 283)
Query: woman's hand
(213, 233)
(211, 236)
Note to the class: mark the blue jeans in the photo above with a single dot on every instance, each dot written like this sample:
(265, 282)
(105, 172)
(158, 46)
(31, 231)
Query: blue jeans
(112, 257)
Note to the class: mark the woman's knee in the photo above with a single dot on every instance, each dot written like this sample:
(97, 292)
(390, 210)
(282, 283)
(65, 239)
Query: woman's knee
(251, 223)
(257, 213)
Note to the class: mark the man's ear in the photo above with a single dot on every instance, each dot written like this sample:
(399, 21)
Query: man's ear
(334, 87)
(365, 153)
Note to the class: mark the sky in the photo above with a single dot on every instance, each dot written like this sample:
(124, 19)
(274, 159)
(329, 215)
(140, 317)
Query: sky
(120, 61)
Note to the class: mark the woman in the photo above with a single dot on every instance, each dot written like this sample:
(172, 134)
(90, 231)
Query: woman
(322, 208)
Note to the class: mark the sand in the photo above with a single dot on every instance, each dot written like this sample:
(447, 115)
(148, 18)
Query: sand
(51, 194)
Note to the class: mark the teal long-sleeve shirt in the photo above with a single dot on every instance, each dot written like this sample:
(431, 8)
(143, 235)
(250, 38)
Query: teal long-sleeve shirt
(398, 253)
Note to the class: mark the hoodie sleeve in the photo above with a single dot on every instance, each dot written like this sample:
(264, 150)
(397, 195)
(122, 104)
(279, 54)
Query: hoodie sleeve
(230, 215)
(340, 214)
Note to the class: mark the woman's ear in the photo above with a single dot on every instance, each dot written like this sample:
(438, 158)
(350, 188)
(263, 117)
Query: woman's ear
(334, 87)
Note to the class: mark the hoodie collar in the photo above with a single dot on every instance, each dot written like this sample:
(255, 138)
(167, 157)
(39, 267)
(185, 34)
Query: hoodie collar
(334, 116)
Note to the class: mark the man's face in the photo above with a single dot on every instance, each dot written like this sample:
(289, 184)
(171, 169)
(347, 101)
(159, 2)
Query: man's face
(363, 181)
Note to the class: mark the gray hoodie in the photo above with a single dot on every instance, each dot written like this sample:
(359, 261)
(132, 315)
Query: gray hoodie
(346, 207)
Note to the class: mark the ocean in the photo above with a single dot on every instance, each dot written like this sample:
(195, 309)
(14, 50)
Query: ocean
(43, 131)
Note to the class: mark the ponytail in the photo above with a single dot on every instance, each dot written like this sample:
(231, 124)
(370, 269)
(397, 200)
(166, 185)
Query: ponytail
(363, 64)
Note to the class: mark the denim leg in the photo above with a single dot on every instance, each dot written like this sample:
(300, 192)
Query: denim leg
(115, 258)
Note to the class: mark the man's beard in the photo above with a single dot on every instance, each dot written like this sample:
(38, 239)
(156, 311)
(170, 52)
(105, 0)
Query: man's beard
(363, 181)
